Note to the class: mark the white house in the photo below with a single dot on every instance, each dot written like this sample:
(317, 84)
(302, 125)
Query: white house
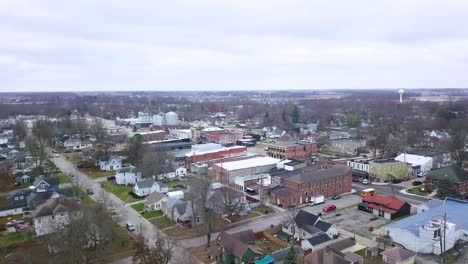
(425, 163)
(111, 163)
(421, 233)
(181, 172)
(54, 214)
(76, 144)
(146, 187)
(155, 201)
(128, 175)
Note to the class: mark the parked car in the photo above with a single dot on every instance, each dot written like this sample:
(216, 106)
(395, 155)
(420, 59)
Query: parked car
(396, 181)
(329, 208)
(336, 196)
(355, 179)
(416, 183)
(365, 181)
(89, 191)
(130, 227)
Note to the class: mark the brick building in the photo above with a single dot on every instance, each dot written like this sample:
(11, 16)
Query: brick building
(303, 184)
(224, 138)
(300, 150)
(203, 156)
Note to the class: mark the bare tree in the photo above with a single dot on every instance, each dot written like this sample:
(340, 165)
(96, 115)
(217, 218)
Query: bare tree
(162, 252)
(288, 218)
(20, 130)
(102, 139)
(458, 138)
(231, 202)
(151, 162)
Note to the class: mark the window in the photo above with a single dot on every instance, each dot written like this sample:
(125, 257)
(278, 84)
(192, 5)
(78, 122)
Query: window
(16, 198)
(21, 197)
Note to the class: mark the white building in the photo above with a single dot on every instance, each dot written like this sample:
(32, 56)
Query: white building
(359, 165)
(128, 175)
(146, 187)
(421, 233)
(180, 133)
(425, 163)
(111, 163)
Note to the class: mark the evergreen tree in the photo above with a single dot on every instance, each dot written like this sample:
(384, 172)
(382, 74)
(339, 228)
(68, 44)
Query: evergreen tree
(295, 115)
(290, 255)
(446, 189)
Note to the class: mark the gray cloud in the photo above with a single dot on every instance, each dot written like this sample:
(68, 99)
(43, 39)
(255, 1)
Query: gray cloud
(215, 45)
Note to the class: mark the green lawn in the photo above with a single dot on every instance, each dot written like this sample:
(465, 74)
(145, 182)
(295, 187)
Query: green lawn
(361, 252)
(16, 238)
(63, 178)
(121, 191)
(162, 222)
(417, 190)
(83, 196)
(152, 214)
(138, 207)
(262, 209)
(96, 173)
(173, 183)
(73, 158)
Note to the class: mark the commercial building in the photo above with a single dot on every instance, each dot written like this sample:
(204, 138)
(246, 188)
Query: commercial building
(216, 151)
(388, 207)
(225, 138)
(457, 176)
(421, 164)
(387, 170)
(298, 150)
(440, 158)
(421, 233)
(299, 186)
(347, 146)
(226, 172)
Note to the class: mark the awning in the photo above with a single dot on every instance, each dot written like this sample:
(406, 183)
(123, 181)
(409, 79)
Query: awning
(266, 260)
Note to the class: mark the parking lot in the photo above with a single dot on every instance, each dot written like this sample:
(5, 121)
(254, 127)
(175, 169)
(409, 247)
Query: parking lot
(349, 218)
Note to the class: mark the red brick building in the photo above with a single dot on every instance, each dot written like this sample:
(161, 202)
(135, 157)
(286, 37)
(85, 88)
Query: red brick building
(222, 137)
(194, 157)
(303, 184)
(299, 150)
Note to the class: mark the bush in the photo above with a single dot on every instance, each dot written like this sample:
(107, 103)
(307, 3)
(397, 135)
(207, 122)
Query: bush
(417, 183)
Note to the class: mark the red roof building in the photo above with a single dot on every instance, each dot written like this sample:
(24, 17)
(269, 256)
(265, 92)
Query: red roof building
(389, 207)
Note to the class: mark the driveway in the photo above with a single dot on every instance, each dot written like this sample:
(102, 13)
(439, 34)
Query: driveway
(124, 215)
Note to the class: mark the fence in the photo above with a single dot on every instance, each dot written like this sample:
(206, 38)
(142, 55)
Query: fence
(275, 240)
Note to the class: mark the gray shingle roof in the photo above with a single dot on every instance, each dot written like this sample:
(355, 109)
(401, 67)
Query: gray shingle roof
(316, 240)
(337, 170)
(148, 183)
(398, 254)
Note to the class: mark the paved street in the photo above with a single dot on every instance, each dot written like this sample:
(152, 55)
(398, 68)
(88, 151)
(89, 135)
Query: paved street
(391, 189)
(124, 213)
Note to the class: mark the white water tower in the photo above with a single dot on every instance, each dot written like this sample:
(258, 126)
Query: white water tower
(401, 92)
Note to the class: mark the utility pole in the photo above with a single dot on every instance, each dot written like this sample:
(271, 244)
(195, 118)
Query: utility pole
(445, 221)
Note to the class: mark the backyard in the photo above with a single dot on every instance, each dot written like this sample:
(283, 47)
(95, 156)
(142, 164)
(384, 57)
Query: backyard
(15, 238)
(121, 191)
(237, 218)
(96, 173)
(171, 184)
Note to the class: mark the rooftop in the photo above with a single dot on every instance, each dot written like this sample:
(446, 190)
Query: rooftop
(289, 143)
(248, 163)
(334, 171)
(456, 214)
(398, 254)
(451, 173)
(193, 153)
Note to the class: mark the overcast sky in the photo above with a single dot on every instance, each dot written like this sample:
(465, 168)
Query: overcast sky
(96, 45)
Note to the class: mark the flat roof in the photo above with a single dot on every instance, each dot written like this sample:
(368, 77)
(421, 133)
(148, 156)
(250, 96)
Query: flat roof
(193, 153)
(289, 143)
(248, 163)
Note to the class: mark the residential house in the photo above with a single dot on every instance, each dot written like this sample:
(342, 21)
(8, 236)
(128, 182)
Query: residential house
(155, 201)
(127, 175)
(180, 212)
(42, 184)
(280, 255)
(111, 163)
(398, 255)
(310, 128)
(235, 248)
(421, 233)
(347, 146)
(75, 144)
(181, 173)
(147, 186)
(389, 207)
(310, 229)
(330, 255)
(227, 202)
(297, 150)
(18, 198)
(21, 177)
(457, 176)
(54, 214)
(311, 181)
(388, 170)
(422, 163)
(336, 135)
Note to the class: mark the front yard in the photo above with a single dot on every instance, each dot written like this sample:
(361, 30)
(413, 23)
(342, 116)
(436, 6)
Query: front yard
(162, 222)
(418, 190)
(263, 210)
(237, 218)
(171, 184)
(151, 214)
(63, 178)
(138, 207)
(96, 173)
(121, 191)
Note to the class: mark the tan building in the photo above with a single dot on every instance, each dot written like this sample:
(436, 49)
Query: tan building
(298, 150)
